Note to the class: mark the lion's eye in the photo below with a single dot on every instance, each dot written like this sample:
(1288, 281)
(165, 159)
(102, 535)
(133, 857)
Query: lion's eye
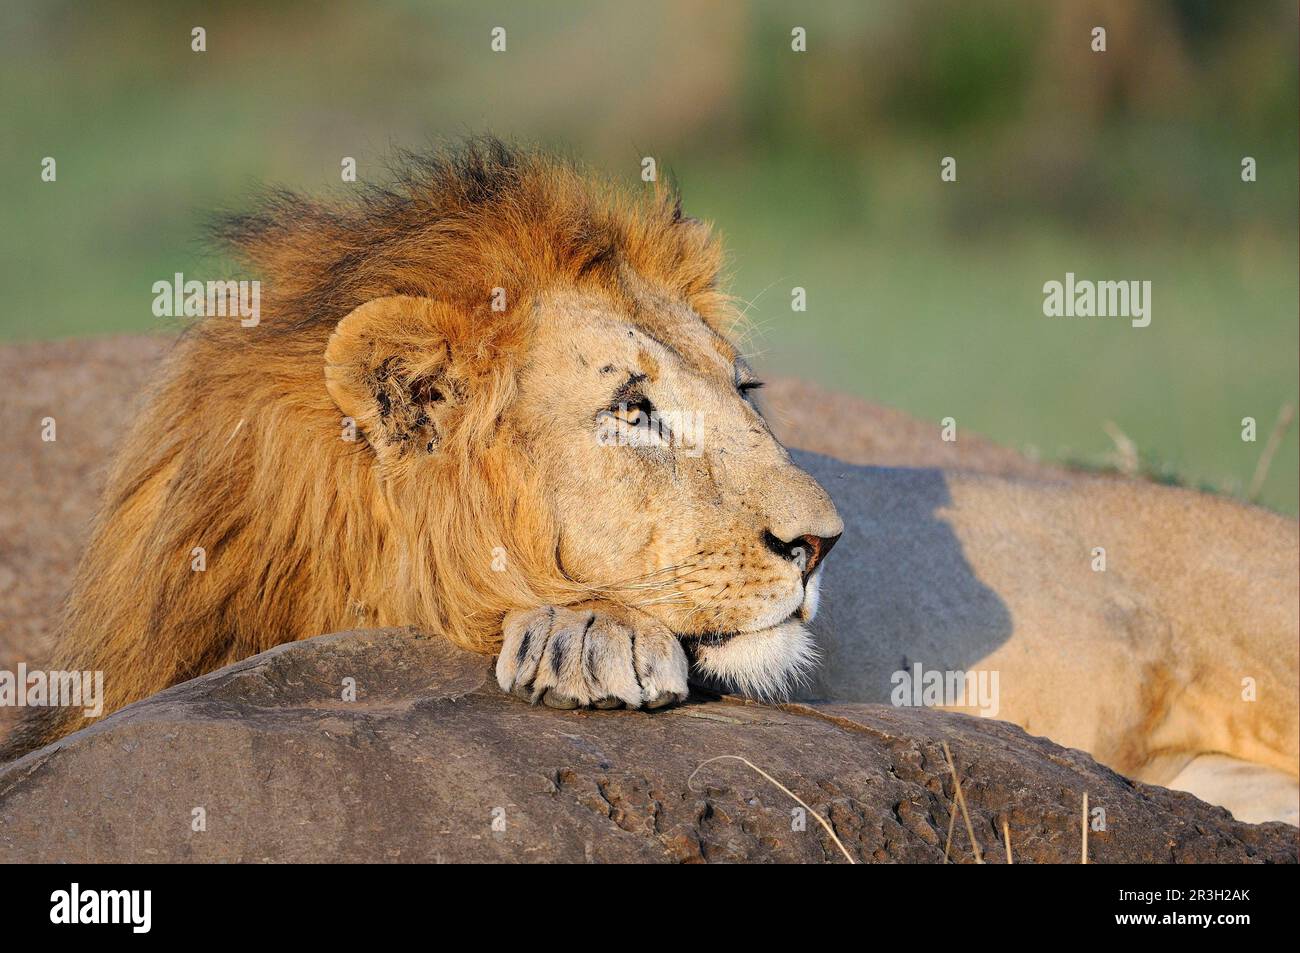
(632, 423)
(746, 386)
(640, 414)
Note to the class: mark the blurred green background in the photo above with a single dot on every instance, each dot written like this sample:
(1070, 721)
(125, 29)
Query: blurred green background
(821, 168)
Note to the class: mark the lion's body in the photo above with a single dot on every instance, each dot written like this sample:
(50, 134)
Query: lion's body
(1184, 646)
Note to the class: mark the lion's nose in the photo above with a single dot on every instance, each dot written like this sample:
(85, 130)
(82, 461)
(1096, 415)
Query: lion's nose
(806, 552)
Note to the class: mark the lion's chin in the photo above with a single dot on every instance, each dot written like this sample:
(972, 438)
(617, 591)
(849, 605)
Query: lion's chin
(768, 664)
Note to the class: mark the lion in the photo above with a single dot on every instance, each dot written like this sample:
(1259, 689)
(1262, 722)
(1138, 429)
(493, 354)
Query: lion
(497, 401)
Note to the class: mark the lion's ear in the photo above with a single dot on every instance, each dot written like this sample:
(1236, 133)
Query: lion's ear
(390, 369)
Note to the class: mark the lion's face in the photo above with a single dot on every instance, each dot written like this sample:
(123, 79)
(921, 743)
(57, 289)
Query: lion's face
(654, 479)
(670, 492)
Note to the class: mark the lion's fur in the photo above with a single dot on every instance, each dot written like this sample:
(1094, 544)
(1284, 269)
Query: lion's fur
(237, 449)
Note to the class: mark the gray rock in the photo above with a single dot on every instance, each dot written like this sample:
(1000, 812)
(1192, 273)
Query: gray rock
(431, 753)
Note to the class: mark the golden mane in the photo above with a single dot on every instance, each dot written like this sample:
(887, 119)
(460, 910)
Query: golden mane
(456, 224)
(237, 461)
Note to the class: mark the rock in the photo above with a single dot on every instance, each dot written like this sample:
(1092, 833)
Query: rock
(431, 754)
(89, 387)
(856, 431)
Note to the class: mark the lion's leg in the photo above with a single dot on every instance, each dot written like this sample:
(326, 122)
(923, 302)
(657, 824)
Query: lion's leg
(1252, 792)
(1239, 699)
(595, 654)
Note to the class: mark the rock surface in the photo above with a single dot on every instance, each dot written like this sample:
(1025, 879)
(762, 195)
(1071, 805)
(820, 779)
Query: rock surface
(280, 768)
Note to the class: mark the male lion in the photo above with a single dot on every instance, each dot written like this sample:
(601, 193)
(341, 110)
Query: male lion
(495, 401)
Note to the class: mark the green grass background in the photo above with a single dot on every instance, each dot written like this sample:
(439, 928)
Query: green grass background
(821, 169)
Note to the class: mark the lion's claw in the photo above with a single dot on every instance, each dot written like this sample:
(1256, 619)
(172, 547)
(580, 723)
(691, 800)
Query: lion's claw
(591, 657)
(553, 699)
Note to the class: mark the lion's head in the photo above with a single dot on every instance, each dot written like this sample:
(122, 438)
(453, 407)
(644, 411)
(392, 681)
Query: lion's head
(629, 421)
(603, 407)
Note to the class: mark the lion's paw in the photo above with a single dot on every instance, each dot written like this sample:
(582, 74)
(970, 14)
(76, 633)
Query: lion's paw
(591, 656)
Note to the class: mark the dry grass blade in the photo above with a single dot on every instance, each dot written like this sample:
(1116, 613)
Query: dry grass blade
(1006, 838)
(820, 820)
(952, 826)
(1126, 457)
(961, 803)
(1283, 424)
(1085, 828)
